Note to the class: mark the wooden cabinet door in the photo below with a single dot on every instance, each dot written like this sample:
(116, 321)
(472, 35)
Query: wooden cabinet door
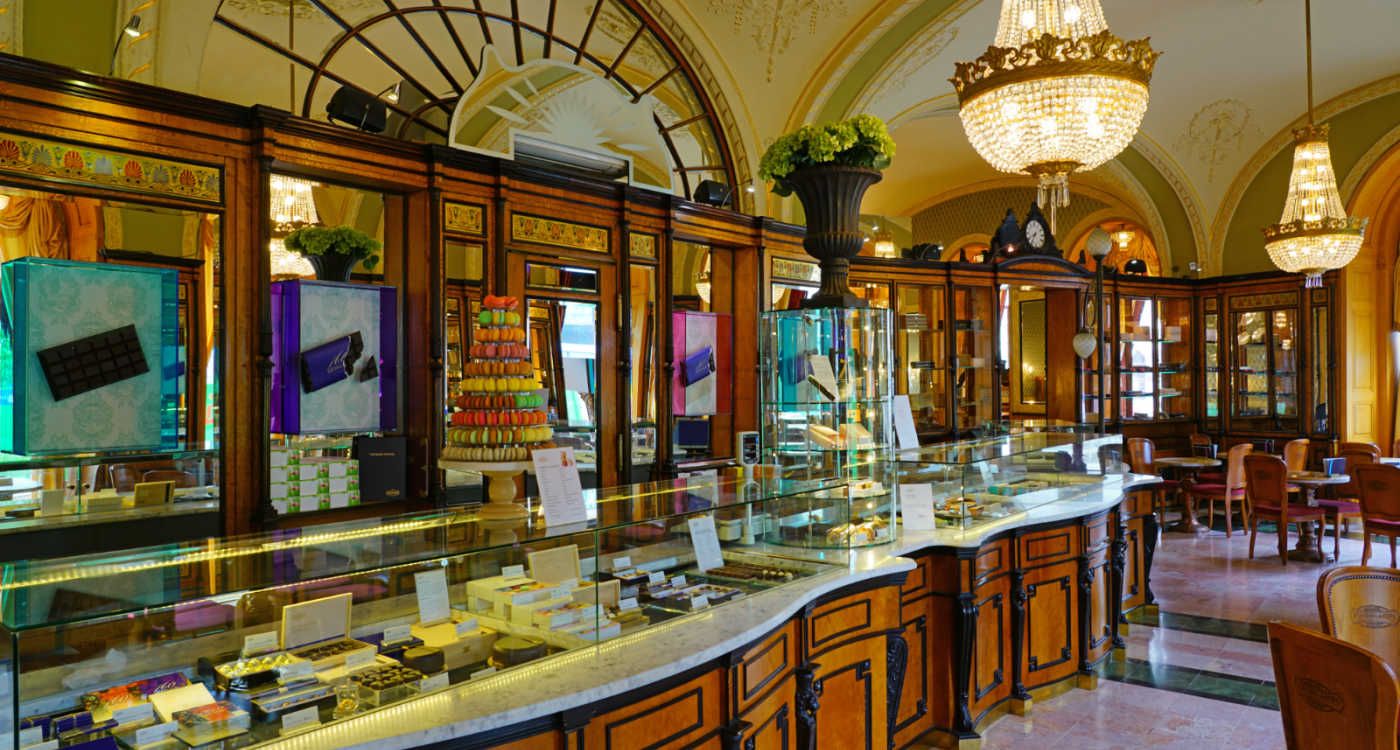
(1098, 591)
(914, 717)
(1134, 587)
(1051, 628)
(771, 723)
(678, 717)
(850, 682)
(990, 672)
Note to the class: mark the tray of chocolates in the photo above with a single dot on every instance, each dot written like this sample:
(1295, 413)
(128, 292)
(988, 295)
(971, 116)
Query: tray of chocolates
(330, 653)
(736, 571)
(210, 722)
(382, 685)
(252, 672)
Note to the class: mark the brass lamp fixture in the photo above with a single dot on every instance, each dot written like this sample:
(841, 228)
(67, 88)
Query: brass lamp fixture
(884, 244)
(1314, 235)
(1056, 93)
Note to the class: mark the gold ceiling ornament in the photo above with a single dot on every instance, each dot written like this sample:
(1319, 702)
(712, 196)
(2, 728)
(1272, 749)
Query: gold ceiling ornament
(1314, 235)
(1056, 93)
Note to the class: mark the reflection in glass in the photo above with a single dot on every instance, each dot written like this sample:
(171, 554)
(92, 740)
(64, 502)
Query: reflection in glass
(1321, 383)
(563, 340)
(642, 352)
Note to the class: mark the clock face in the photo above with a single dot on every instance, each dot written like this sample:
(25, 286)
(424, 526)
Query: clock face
(1035, 234)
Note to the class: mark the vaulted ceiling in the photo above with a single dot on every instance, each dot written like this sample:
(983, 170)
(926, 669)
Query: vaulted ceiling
(1224, 95)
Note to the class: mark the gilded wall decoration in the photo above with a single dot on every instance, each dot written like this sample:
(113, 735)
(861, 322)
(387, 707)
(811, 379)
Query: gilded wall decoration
(46, 159)
(542, 231)
(463, 217)
(772, 26)
(640, 245)
(1215, 132)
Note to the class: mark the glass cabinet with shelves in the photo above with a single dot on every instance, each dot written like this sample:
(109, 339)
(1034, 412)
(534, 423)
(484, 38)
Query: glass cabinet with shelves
(1211, 363)
(825, 393)
(1154, 358)
(921, 346)
(974, 357)
(1092, 377)
(1265, 369)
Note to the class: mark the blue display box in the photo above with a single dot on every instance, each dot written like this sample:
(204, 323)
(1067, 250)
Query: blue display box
(49, 303)
(309, 320)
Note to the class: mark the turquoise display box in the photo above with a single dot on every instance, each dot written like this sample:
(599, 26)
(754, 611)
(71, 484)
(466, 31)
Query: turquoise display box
(93, 392)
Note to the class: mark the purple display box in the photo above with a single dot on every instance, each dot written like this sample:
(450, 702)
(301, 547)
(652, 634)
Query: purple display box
(310, 314)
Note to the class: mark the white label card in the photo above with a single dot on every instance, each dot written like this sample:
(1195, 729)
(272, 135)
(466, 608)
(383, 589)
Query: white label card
(398, 633)
(513, 571)
(31, 736)
(359, 660)
(656, 578)
(825, 377)
(561, 491)
(135, 714)
(305, 717)
(433, 682)
(260, 643)
(916, 504)
(706, 542)
(297, 670)
(315, 621)
(700, 602)
(621, 563)
(433, 603)
(628, 603)
(483, 672)
(678, 581)
(156, 732)
(466, 627)
(905, 433)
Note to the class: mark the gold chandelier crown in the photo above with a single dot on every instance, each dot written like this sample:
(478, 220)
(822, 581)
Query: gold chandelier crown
(1056, 93)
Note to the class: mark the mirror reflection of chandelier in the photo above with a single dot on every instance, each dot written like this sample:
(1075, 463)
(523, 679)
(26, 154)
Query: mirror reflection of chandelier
(1314, 235)
(1056, 93)
(291, 203)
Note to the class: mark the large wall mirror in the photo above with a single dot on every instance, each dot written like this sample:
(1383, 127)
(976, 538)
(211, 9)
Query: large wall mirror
(564, 340)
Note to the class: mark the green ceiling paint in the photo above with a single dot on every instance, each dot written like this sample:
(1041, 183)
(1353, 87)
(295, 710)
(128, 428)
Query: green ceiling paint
(1178, 225)
(1353, 133)
(878, 55)
(75, 33)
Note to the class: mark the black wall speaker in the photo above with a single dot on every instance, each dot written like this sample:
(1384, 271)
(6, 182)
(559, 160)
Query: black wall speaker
(712, 193)
(358, 110)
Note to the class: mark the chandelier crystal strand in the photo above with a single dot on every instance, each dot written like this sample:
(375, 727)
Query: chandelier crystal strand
(1314, 235)
(1057, 93)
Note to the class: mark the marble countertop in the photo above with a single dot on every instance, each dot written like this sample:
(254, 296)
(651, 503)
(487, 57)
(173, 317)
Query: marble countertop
(611, 668)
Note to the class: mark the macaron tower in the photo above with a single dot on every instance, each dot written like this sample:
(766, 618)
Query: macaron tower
(502, 413)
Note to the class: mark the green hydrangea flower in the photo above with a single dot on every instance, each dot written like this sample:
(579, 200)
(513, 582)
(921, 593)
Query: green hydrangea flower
(861, 141)
(314, 240)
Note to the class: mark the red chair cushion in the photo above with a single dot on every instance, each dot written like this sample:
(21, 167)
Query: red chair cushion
(1212, 490)
(1294, 511)
(1343, 506)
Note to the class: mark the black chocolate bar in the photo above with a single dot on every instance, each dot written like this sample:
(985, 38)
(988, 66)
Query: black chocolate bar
(92, 362)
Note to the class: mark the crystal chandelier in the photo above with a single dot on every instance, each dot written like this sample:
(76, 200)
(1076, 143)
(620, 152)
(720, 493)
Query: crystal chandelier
(1056, 93)
(1314, 235)
(291, 203)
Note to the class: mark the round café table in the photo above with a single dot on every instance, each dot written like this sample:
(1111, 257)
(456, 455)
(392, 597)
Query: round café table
(1188, 465)
(1308, 482)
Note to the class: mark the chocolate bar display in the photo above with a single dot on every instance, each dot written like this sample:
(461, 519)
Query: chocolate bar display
(92, 362)
(331, 362)
(335, 358)
(87, 339)
(748, 572)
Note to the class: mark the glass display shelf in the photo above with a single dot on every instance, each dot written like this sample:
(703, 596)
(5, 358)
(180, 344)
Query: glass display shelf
(233, 638)
(921, 343)
(1155, 363)
(41, 491)
(1264, 370)
(825, 402)
(978, 483)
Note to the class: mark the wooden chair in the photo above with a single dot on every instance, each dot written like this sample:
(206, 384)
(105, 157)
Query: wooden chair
(1141, 458)
(1359, 605)
(1295, 454)
(1232, 489)
(181, 479)
(1380, 505)
(1332, 694)
(1371, 448)
(1266, 495)
(1201, 445)
(1395, 449)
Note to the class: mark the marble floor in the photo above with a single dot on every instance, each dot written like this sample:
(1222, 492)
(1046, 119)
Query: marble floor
(1198, 674)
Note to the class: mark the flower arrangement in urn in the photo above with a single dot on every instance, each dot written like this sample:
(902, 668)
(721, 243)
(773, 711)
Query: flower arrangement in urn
(830, 167)
(333, 251)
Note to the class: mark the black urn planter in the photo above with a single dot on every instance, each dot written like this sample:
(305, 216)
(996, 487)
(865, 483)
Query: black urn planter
(831, 195)
(333, 266)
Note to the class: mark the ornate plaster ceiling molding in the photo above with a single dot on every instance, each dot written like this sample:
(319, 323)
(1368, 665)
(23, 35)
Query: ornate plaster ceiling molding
(302, 8)
(895, 78)
(809, 106)
(1375, 153)
(1215, 133)
(772, 26)
(1213, 255)
(1190, 199)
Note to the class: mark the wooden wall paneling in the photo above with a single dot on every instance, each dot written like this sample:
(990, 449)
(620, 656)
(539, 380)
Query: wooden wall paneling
(1062, 310)
(1097, 612)
(851, 681)
(666, 352)
(683, 716)
(421, 293)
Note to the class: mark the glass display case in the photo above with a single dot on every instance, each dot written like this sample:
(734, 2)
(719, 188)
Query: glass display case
(1090, 368)
(1211, 365)
(1265, 369)
(1154, 366)
(974, 359)
(981, 482)
(921, 349)
(826, 389)
(248, 640)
